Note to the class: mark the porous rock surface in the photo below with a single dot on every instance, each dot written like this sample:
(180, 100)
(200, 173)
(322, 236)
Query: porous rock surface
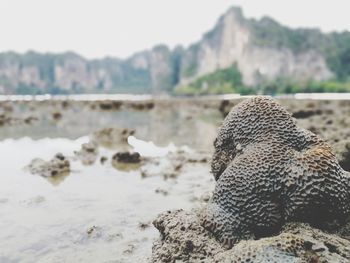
(112, 136)
(183, 239)
(269, 172)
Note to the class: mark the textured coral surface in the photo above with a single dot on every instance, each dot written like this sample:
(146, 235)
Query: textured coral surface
(183, 239)
(269, 172)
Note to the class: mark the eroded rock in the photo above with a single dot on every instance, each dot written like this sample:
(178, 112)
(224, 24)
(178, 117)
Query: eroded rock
(269, 172)
(183, 238)
(127, 157)
(88, 153)
(111, 137)
(59, 165)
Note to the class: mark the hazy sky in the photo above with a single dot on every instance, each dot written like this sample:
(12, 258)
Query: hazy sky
(96, 28)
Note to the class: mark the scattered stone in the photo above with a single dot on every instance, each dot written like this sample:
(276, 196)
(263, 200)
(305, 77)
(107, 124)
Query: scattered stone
(57, 116)
(127, 157)
(88, 153)
(130, 249)
(161, 191)
(59, 165)
(112, 137)
(303, 114)
(143, 226)
(94, 232)
(30, 120)
(141, 106)
(110, 105)
(3, 119)
(103, 159)
(106, 105)
(342, 150)
(126, 161)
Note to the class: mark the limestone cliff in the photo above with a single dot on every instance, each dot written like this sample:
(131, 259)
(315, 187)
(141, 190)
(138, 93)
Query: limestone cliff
(262, 50)
(233, 41)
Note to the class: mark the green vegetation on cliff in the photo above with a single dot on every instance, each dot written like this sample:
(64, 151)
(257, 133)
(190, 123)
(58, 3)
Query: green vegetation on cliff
(228, 80)
(335, 47)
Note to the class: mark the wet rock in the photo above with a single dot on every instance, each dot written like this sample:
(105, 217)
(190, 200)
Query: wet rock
(198, 157)
(103, 159)
(259, 149)
(56, 116)
(143, 225)
(184, 239)
(88, 153)
(126, 161)
(303, 114)
(130, 249)
(226, 105)
(112, 137)
(65, 104)
(3, 119)
(127, 157)
(106, 105)
(30, 120)
(178, 228)
(59, 165)
(8, 119)
(94, 232)
(236, 220)
(142, 106)
(342, 150)
(110, 105)
(161, 191)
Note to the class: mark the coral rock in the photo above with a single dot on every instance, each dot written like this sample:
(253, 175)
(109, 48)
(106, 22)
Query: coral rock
(269, 172)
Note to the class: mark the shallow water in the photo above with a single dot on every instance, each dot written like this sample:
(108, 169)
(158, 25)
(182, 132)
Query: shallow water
(98, 213)
(94, 213)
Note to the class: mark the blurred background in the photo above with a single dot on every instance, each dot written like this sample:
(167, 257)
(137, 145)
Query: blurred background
(174, 47)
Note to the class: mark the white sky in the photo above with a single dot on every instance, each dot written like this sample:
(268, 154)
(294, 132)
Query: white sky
(96, 28)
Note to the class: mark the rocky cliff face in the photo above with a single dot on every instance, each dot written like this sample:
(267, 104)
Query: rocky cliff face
(262, 50)
(233, 41)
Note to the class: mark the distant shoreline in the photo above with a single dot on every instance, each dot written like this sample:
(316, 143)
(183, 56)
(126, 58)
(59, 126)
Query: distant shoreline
(147, 97)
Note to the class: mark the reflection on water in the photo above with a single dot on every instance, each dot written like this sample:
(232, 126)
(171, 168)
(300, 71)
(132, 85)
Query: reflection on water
(94, 213)
(177, 123)
(91, 215)
(57, 180)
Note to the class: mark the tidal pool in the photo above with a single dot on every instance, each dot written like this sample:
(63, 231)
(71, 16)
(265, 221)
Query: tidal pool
(96, 213)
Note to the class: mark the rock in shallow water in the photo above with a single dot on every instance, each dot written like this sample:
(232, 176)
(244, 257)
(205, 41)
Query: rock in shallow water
(59, 165)
(112, 137)
(269, 172)
(88, 153)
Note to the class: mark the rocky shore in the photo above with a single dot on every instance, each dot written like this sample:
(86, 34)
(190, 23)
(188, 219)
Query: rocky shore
(184, 236)
(192, 125)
